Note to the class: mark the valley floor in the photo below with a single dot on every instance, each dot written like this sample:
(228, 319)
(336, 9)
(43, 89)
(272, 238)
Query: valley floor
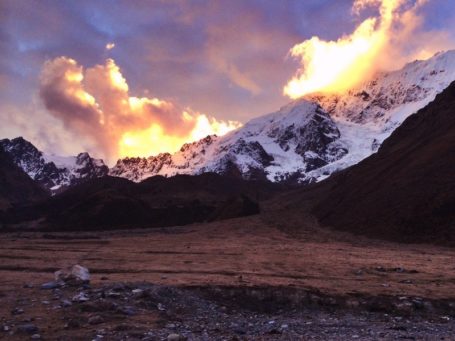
(241, 278)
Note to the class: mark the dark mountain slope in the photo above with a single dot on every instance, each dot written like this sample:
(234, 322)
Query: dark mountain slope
(16, 187)
(406, 191)
(111, 202)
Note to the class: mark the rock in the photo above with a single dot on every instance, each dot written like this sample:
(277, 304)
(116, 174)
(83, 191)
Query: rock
(81, 297)
(175, 337)
(17, 311)
(104, 278)
(36, 337)
(74, 276)
(404, 307)
(274, 331)
(96, 319)
(113, 294)
(28, 328)
(72, 324)
(50, 285)
(352, 303)
(27, 286)
(128, 311)
(66, 303)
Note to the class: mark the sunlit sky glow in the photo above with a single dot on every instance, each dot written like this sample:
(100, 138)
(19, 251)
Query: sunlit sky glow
(212, 63)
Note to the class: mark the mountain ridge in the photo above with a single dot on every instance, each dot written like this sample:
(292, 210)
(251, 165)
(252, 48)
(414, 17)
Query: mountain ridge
(355, 123)
(305, 141)
(53, 172)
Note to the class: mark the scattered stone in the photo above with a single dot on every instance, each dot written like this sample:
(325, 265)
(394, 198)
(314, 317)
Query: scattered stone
(274, 331)
(45, 302)
(27, 328)
(128, 310)
(113, 294)
(72, 324)
(73, 276)
(17, 311)
(36, 337)
(104, 278)
(6, 328)
(27, 286)
(406, 281)
(175, 337)
(66, 303)
(96, 319)
(50, 285)
(81, 297)
(160, 307)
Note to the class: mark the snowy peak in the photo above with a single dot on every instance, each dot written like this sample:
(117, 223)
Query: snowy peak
(312, 137)
(51, 171)
(387, 99)
(299, 137)
(369, 113)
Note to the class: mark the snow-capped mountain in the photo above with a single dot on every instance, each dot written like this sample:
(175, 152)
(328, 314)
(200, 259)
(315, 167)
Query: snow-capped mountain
(298, 138)
(368, 114)
(312, 137)
(305, 141)
(53, 172)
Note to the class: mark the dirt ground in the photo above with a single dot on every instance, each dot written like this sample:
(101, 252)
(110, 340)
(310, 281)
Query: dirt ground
(235, 255)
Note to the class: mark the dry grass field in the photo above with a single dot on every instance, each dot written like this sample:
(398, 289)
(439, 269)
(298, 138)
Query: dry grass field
(240, 253)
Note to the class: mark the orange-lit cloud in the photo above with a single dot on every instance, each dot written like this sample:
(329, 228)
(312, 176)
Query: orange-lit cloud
(378, 43)
(110, 46)
(96, 103)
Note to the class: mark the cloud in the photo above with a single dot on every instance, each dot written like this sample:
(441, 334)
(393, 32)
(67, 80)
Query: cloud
(96, 103)
(382, 42)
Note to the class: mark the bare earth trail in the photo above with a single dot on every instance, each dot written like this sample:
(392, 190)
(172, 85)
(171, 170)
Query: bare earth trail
(239, 253)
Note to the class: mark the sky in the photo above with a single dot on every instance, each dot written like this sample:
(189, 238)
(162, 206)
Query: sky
(68, 69)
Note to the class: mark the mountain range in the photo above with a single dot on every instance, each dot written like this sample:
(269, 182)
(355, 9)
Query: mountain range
(305, 141)
(388, 146)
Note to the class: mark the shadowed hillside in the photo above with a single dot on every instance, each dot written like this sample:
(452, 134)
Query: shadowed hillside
(16, 187)
(111, 202)
(407, 190)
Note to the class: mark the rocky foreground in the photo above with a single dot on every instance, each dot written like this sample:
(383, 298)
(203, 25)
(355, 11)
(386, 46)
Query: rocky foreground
(143, 311)
(236, 279)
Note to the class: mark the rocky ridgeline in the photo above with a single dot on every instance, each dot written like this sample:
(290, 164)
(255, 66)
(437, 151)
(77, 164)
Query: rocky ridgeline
(53, 173)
